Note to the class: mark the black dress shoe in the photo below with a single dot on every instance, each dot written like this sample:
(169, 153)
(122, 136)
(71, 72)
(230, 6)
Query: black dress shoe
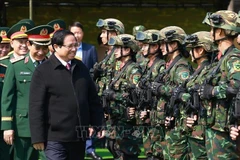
(94, 156)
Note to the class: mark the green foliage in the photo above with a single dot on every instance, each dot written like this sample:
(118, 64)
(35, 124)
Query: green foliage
(190, 19)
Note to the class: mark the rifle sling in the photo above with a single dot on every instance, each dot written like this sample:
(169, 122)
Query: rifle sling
(120, 73)
(197, 71)
(105, 60)
(150, 71)
(220, 62)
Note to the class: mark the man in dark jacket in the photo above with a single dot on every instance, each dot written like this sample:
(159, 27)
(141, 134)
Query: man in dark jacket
(63, 102)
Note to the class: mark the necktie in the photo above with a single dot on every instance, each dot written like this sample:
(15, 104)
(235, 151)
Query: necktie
(68, 66)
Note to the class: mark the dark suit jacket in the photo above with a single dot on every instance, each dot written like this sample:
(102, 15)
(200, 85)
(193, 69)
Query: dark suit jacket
(89, 55)
(61, 100)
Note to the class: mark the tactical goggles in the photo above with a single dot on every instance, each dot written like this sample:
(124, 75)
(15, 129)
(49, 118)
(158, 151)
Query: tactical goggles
(148, 37)
(109, 24)
(116, 41)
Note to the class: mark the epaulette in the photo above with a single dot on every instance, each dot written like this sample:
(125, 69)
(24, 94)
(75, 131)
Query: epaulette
(4, 57)
(17, 59)
(10, 53)
(3, 65)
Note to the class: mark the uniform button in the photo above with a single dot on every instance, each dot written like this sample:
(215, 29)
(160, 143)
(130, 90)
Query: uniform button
(20, 115)
(24, 80)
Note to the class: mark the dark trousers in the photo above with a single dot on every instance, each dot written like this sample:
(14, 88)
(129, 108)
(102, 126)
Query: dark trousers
(65, 150)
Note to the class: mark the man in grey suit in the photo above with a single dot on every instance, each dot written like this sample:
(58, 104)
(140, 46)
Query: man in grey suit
(86, 52)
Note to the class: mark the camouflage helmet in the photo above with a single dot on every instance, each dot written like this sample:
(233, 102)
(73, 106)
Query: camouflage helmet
(138, 28)
(124, 40)
(150, 36)
(224, 19)
(172, 33)
(201, 39)
(111, 24)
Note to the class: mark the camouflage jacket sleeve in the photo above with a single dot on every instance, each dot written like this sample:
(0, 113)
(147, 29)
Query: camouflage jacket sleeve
(158, 68)
(230, 77)
(132, 79)
(177, 77)
(8, 101)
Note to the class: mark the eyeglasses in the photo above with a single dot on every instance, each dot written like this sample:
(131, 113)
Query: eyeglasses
(71, 46)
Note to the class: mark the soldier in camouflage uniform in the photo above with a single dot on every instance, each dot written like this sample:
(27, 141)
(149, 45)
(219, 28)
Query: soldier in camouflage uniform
(176, 73)
(103, 71)
(139, 57)
(152, 131)
(220, 84)
(202, 52)
(121, 99)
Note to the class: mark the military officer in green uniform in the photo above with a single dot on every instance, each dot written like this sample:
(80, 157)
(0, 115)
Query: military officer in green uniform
(19, 48)
(4, 148)
(15, 95)
(5, 46)
(18, 40)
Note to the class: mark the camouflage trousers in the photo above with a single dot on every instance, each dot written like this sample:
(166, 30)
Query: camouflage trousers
(220, 146)
(197, 148)
(176, 146)
(125, 140)
(152, 139)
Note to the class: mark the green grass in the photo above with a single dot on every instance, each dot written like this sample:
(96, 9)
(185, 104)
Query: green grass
(107, 155)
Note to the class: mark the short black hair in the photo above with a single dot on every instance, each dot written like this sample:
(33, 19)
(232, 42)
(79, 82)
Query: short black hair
(59, 36)
(76, 24)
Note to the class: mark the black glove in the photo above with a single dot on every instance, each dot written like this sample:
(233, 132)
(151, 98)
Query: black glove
(231, 92)
(96, 72)
(155, 86)
(109, 94)
(178, 92)
(205, 91)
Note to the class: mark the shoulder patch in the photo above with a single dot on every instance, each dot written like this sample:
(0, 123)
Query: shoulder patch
(236, 66)
(184, 75)
(13, 60)
(3, 65)
(4, 57)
